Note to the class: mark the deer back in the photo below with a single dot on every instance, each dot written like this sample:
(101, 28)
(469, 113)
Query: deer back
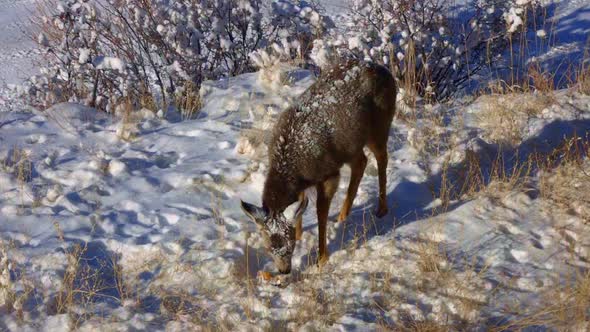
(328, 126)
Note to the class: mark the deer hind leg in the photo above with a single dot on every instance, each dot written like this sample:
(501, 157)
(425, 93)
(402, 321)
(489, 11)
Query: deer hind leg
(326, 191)
(357, 170)
(380, 152)
(299, 221)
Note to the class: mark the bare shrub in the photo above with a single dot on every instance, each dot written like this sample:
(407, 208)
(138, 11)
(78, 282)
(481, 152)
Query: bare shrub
(435, 44)
(105, 53)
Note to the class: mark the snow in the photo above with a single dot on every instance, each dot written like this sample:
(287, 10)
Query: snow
(355, 43)
(84, 56)
(513, 18)
(105, 62)
(571, 28)
(18, 50)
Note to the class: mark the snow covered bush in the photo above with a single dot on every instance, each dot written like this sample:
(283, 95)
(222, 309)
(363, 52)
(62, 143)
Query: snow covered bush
(296, 25)
(109, 53)
(436, 45)
(299, 23)
(273, 64)
(6, 291)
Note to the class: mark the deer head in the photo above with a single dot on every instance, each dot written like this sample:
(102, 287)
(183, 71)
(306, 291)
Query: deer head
(277, 231)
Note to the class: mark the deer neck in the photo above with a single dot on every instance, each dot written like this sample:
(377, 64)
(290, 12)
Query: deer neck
(279, 191)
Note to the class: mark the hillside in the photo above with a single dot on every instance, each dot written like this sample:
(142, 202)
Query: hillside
(133, 222)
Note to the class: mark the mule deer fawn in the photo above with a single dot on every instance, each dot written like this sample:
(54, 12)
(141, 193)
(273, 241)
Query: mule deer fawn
(350, 106)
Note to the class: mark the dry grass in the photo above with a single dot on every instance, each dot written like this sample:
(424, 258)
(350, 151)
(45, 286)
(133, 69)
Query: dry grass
(275, 76)
(504, 116)
(477, 176)
(64, 301)
(425, 326)
(572, 308)
(435, 273)
(146, 100)
(127, 129)
(313, 303)
(410, 77)
(18, 163)
(251, 143)
(188, 101)
(583, 79)
(13, 293)
(86, 281)
(567, 183)
(430, 258)
(564, 179)
(503, 181)
(460, 290)
(565, 307)
(429, 134)
(541, 80)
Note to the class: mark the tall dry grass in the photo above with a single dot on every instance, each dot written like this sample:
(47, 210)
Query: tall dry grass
(188, 101)
(565, 177)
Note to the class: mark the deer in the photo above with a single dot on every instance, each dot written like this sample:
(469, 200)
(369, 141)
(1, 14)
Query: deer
(350, 106)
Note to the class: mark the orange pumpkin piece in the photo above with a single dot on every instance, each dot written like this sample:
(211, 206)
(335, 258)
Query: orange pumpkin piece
(264, 275)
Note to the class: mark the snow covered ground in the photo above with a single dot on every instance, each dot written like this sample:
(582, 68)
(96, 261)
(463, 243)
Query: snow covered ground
(567, 33)
(18, 51)
(17, 48)
(158, 220)
(111, 224)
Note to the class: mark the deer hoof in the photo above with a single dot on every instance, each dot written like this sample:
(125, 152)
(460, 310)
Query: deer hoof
(322, 261)
(381, 212)
(298, 235)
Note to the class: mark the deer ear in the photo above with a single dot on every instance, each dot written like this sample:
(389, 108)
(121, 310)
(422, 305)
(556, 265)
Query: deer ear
(254, 212)
(301, 208)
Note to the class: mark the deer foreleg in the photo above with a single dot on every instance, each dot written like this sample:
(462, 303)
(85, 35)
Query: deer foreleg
(299, 221)
(357, 170)
(326, 191)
